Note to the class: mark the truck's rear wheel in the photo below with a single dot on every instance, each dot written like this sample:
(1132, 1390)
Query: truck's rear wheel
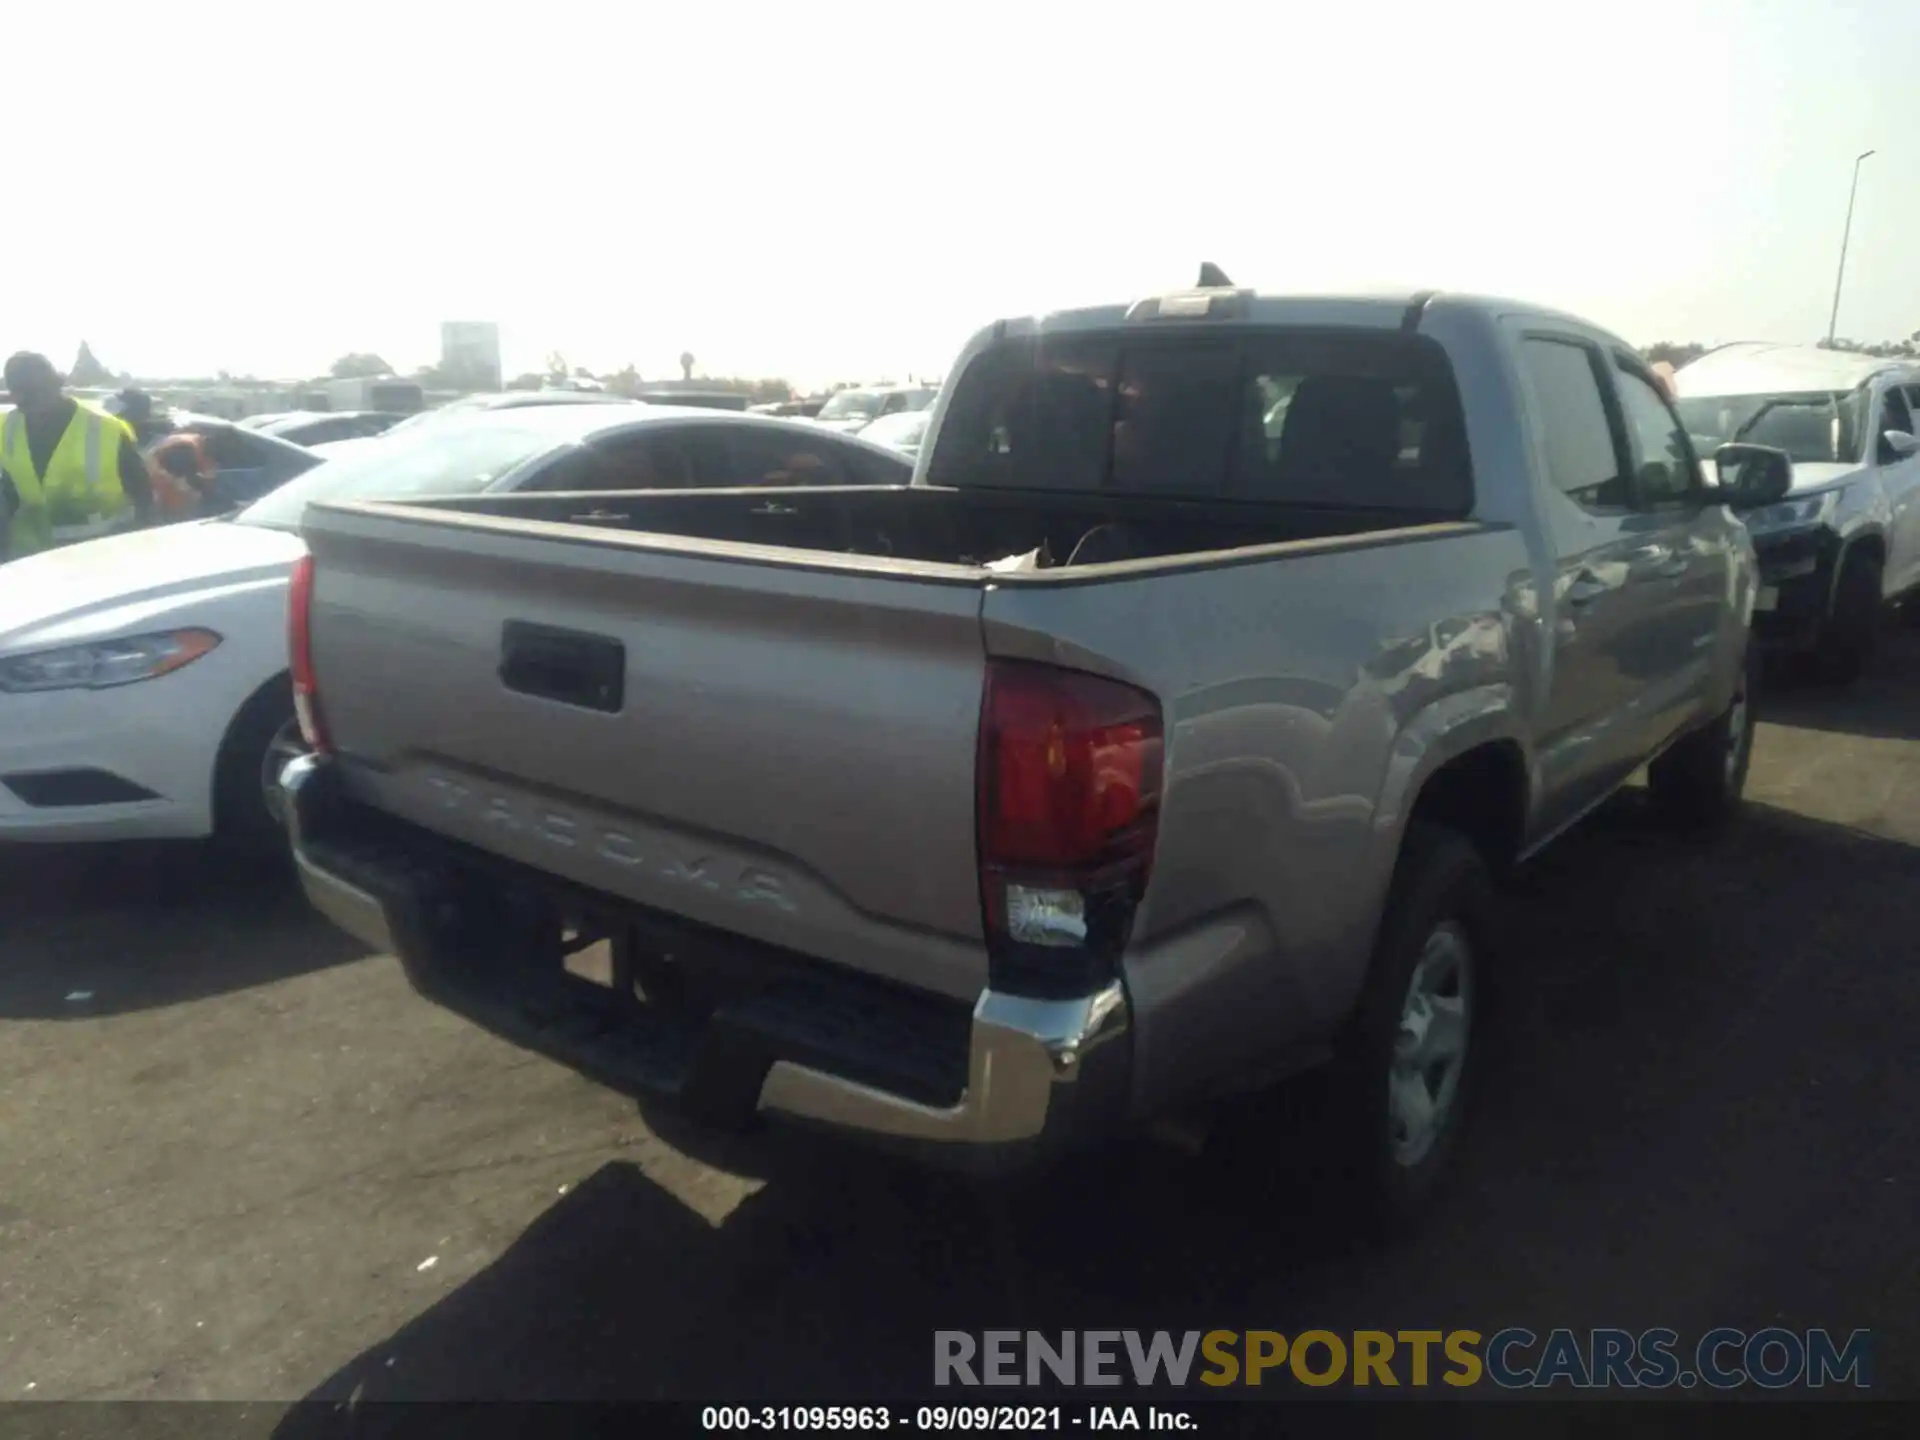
(1700, 780)
(1852, 630)
(1402, 1079)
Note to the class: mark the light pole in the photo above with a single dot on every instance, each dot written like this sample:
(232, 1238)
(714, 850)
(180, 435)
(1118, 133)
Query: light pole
(1845, 235)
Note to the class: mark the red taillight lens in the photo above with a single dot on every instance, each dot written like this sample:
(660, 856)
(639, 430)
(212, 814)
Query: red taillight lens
(1069, 800)
(1072, 767)
(306, 688)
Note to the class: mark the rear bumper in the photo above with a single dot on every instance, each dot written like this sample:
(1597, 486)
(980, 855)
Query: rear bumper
(1004, 1086)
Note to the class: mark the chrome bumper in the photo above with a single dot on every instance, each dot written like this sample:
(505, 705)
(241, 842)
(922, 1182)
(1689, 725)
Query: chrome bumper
(355, 911)
(1042, 1074)
(1038, 1072)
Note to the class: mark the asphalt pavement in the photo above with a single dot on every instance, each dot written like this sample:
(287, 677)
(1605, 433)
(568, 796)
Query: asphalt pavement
(239, 1159)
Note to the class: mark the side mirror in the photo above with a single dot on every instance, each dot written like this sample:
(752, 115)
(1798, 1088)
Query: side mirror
(1897, 445)
(1753, 475)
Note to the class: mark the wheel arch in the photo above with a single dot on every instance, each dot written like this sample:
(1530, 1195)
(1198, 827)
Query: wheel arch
(1869, 541)
(277, 692)
(1481, 794)
(1462, 764)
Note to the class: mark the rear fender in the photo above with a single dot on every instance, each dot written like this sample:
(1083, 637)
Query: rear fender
(1434, 736)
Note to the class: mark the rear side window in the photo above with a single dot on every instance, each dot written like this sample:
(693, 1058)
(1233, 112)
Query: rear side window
(1334, 418)
(1174, 419)
(774, 457)
(1030, 417)
(870, 468)
(681, 457)
(1581, 460)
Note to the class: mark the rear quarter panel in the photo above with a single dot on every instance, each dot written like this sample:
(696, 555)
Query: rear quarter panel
(1304, 696)
(1308, 696)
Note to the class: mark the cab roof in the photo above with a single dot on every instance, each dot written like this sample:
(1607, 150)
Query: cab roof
(1217, 299)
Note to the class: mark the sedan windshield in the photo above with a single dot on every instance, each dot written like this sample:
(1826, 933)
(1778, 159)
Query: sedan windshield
(851, 405)
(431, 460)
(1813, 427)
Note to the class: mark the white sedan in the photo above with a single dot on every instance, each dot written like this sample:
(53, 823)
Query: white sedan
(143, 684)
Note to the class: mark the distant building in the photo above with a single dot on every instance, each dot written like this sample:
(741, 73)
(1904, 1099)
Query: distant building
(470, 354)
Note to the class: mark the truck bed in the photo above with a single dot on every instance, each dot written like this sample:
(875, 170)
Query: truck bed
(936, 525)
(755, 710)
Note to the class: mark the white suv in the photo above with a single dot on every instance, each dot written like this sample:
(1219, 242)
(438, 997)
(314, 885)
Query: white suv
(1846, 541)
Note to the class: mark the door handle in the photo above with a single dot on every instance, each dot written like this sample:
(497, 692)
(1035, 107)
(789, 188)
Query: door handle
(1585, 590)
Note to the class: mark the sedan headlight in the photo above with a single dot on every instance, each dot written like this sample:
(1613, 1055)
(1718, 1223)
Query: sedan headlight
(104, 663)
(1802, 512)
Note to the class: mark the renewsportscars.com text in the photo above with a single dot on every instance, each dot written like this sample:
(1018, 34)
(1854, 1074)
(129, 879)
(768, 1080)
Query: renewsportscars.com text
(1511, 1358)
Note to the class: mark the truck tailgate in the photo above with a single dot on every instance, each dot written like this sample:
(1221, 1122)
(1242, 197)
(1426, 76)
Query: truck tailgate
(780, 752)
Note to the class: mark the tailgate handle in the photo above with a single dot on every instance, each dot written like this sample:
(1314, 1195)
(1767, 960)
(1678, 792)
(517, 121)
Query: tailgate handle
(589, 671)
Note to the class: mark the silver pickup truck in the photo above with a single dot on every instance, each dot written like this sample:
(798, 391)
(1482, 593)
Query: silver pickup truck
(1158, 741)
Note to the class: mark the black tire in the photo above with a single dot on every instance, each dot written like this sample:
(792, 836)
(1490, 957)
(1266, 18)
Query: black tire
(1852, 629)
(1440, 888)
(243, 821)
(1698, 783)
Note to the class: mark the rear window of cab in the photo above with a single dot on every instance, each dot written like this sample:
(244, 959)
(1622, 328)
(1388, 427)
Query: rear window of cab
(1318, 418)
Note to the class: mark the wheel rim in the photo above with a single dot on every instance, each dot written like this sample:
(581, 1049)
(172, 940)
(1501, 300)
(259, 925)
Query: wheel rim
(1430, 1050)
(1736, 733)
(286, 745)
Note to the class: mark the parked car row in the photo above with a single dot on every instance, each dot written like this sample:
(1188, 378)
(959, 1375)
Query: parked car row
(317, 427)
(89, 751)
(854, 410)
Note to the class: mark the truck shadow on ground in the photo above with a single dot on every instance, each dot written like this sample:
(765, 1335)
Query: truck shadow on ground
(131, 927)
(1883, 704)
(1697, 1108)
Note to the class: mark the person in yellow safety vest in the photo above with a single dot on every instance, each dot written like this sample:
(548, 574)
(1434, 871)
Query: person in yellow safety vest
(67, 472)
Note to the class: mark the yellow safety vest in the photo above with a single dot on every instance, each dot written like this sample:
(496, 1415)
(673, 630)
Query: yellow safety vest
(80, 496)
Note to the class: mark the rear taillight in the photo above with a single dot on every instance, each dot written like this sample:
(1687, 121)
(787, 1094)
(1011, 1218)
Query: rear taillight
(306, 687)
(1069, 800)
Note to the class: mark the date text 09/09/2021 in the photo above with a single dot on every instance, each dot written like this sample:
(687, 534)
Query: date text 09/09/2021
(939, 1418)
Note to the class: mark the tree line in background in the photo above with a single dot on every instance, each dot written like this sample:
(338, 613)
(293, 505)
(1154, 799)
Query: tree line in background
(88, 372)
(1677, 355)
(625, 381)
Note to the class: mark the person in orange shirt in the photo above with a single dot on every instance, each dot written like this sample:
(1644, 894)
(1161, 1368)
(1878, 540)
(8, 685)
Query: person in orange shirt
(182, 473)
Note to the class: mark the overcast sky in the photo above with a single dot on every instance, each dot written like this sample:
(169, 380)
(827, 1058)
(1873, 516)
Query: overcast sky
(847, 191)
